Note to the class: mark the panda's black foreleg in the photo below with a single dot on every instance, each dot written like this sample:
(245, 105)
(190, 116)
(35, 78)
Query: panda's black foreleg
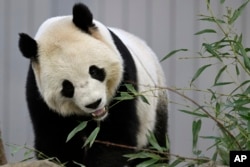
(161, 128)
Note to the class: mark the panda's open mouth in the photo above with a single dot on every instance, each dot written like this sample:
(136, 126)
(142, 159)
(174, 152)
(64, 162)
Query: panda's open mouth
(100, 114)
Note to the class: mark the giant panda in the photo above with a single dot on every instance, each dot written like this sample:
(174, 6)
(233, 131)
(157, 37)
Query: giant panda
(77, 68)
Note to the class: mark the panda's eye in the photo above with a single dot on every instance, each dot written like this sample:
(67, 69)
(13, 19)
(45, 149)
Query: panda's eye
(97, 73)
(67, 89)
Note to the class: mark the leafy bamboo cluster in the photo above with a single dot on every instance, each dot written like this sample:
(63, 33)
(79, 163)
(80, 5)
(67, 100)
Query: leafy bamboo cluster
(229, 108)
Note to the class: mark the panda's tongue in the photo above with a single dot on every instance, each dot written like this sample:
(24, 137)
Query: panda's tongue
(99, 113)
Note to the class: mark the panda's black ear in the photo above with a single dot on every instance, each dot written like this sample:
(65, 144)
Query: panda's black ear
(28, 46)
(82, 17)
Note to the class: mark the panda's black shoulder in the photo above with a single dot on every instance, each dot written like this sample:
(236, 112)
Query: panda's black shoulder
(130, 73)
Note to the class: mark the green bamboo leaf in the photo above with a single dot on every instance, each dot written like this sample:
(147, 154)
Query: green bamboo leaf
(154, 142)
(242, 84)
(91, 139)
(244, 116)
(124, 96)
(240, 38)
(222, 1)
(213, 94)
(219, 74)
(172, 53)
(247, 91)
(217, 109)
(231, 117)
(77, 129)
(244, 54)
(194, 113)
(158, 164)
(167, 142)
(144, 99)
(237, 70)
(141, 155)
(222, 83)
(147, 163)
(237, 13)
(211, 19)
(208, 4)
(131, 88)
(176, 162)
(205, 31)
(224, 154)
(211, 50)
(196, 127)
(198, 72)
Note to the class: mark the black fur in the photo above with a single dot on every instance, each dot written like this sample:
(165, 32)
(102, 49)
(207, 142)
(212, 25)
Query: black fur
(82, 17)
(97, 73)
(28, 46)
(68, 89)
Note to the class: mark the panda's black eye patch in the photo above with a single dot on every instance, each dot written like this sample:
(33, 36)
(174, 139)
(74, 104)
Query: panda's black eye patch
(67, 89)
(97, 73)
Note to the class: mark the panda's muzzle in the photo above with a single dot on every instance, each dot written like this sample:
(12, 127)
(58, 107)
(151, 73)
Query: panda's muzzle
(94, 105)
(99, 114)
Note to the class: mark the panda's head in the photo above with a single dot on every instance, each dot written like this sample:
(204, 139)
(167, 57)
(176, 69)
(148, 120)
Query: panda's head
(76, 65)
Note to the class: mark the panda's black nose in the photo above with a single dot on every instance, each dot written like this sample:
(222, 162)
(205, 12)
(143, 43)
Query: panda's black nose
(94, 105)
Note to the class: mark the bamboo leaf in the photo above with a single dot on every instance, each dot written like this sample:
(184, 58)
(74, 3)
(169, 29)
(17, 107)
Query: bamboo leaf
(241, 85)
(237, 70)
(205, 31)
(219, 74)
(237, 13)
(208, 4)
(131, 88)
(217, 109)
(147, 163)
(211, 50)
(222, 83)
(194, 113)
(198, 72)
(124, 96)
(77, 129)
(144, 99)
(176, 162)
(222, 1)
(141, 155)
(245, 57)
(196, 127)
(211, 19)
(91, 139)
(154, 142)
(213, 94)
(172, 53)
(240, 38)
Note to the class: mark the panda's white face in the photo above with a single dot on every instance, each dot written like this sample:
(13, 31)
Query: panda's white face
(75, 72)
